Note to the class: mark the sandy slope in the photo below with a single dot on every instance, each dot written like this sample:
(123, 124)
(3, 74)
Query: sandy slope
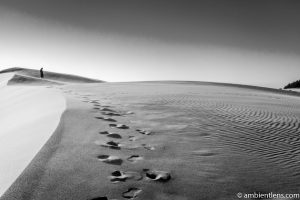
(194, 142)
(32, 76)
(29, 116)
(4, 78)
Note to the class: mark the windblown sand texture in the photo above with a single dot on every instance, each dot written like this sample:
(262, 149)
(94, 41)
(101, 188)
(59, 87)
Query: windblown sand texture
(166, 141)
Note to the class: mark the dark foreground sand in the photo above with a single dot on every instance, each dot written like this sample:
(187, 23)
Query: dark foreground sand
(177, 142)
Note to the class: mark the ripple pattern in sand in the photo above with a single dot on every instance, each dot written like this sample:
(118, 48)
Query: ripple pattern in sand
(268, 131)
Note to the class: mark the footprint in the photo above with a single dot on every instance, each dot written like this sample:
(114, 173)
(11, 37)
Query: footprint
(160, 176)
(151, 148)
(111, 113)
(120, 126)
(131, 193)
(107, 109)
(104, 132)
(112, 145)
(106, 119)
(102, 198)
(120, 176)
(145, 132)
(135, 158)
(99, 198)
(109, 134)
(114, 160)
(132, 138)
(204, 153)
(114, 135)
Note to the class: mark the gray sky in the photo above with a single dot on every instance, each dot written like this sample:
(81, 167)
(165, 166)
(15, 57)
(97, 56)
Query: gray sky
(253, 42)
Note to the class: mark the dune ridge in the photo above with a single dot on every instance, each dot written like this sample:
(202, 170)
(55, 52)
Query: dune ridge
(4, 78)
(29, 116)
(33, 76)
(17, 79)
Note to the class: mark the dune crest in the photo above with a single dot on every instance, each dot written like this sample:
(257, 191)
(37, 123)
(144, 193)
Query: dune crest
(28, 80)
(32, 76)
(4, 78)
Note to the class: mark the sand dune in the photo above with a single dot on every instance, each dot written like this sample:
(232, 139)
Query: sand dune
(17, 79)
(28, 118)
(4, 78)
(33, 76)
(166, 141)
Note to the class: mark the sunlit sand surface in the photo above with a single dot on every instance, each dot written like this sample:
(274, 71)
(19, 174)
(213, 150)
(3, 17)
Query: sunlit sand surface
(29, 116)
(166, 141)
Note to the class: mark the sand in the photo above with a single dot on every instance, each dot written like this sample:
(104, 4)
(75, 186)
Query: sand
(32, 76)
(4, 78)
(28, 118)
(293, 89)
(166, 141)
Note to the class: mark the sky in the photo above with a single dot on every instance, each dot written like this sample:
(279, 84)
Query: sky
(254, 42)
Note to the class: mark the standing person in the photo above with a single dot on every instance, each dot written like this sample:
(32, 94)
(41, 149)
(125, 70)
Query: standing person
(41, 73)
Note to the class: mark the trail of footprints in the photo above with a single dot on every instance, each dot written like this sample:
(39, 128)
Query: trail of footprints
(121, 176)
(272, 134)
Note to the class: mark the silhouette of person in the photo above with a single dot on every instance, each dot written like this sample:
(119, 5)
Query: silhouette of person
(42, 73)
